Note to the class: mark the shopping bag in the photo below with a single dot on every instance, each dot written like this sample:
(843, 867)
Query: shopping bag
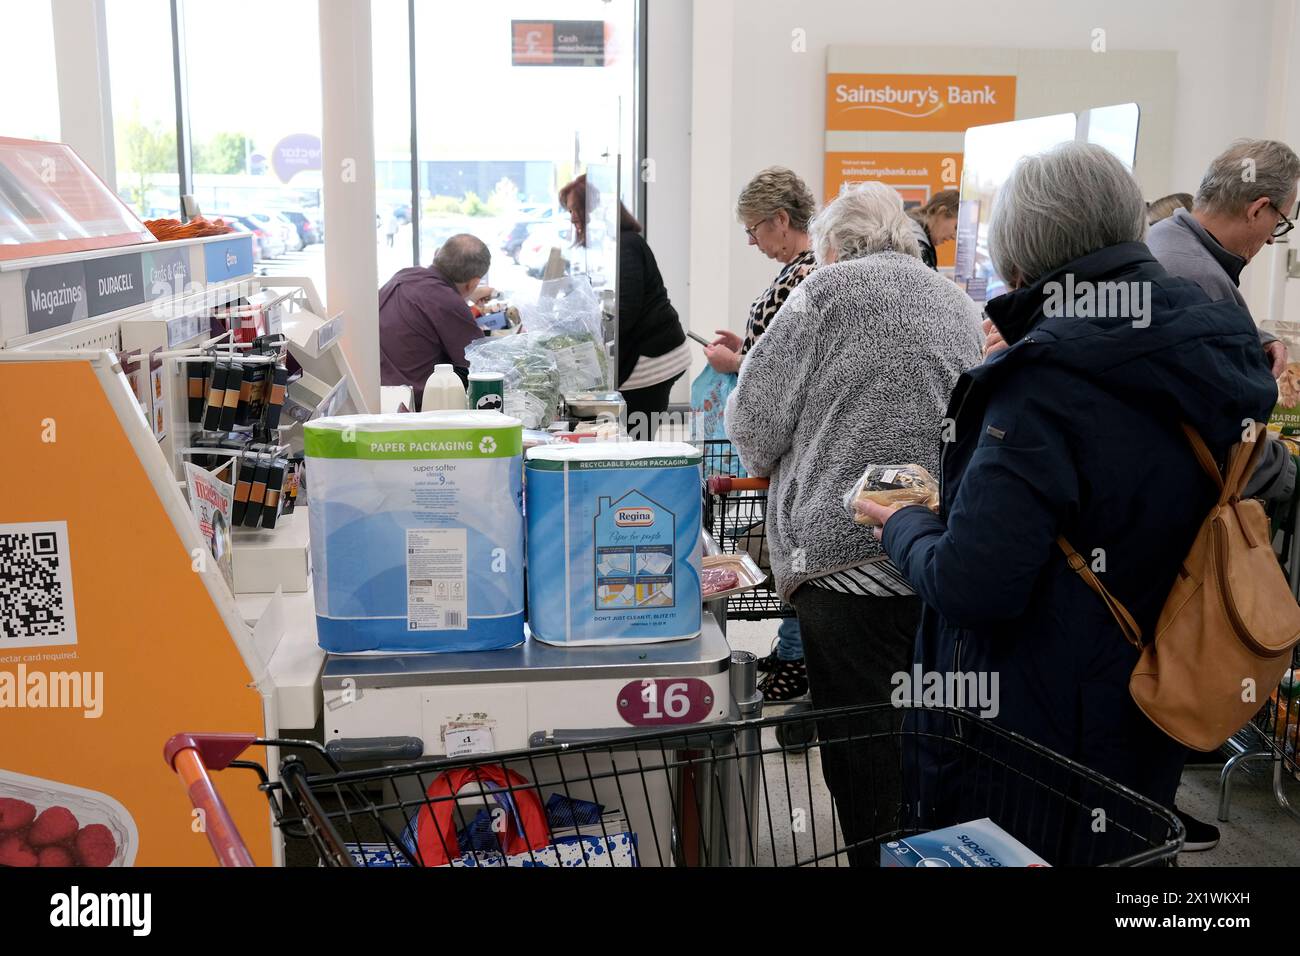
(566, 833)
(709, 394)
(525, 829)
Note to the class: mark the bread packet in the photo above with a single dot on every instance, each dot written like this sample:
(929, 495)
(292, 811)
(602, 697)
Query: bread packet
(891, 485)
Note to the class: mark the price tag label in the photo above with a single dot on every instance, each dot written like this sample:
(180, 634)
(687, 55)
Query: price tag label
(469, 741)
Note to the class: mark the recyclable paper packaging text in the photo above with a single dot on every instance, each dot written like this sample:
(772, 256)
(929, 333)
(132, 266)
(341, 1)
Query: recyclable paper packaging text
(417, 532)
(614, 543)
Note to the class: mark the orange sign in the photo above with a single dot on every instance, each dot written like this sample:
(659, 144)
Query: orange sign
(917, 102)
(534, 43)
(109, 642)
(916, 176)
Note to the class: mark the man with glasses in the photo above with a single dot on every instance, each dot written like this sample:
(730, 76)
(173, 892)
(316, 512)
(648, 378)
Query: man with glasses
(1238, 211)
(1246, 201)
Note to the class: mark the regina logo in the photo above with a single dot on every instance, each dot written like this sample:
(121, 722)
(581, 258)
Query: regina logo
(231, 260)
(634, 518)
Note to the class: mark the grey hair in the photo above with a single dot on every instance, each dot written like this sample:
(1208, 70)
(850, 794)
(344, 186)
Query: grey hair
(1247, 170)
(862, 220)
(777, 189)
(463, 258)
(1061, 205)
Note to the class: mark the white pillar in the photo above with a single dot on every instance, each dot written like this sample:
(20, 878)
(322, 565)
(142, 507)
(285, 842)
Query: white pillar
(668, 148)
(712, 220)
(81, 57)
(348, 172)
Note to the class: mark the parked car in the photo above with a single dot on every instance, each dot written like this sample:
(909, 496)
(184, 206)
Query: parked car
(238, 225)
(512, 240)
(288, 231)
(535, 252)
(270, 236)
(308, 230)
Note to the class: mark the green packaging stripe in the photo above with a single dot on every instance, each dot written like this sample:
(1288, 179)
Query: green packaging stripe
(546, 464)
(414, 445)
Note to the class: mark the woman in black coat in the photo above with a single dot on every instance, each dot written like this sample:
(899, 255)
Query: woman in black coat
(1074, 431)
(652, 349)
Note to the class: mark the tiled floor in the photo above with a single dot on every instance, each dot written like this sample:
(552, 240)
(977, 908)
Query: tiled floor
(1259, 833)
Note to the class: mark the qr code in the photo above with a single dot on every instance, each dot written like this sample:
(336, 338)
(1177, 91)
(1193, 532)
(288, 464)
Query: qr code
(35, 586)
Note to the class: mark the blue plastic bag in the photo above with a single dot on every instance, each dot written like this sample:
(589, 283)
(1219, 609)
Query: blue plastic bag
(709, 394)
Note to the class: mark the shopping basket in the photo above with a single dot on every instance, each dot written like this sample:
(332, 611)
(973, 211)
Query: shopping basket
(716, 795)
(735, 514)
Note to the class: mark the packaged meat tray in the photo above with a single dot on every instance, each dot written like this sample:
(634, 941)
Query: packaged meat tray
(728, 574)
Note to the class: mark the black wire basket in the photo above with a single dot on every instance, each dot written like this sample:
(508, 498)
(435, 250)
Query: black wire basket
(737, 521)
(718, 795)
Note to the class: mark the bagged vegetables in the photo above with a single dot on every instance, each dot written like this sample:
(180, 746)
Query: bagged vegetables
(532, 375)
(567, 321)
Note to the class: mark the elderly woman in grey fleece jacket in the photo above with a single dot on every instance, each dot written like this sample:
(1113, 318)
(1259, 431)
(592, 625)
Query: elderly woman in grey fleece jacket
(856, 369)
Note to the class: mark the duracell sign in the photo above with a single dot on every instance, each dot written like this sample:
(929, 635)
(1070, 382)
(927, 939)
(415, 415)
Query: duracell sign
(114, 283)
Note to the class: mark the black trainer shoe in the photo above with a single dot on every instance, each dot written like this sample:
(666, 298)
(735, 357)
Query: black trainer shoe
(788, 682)
(1200, 836)
(768, 664)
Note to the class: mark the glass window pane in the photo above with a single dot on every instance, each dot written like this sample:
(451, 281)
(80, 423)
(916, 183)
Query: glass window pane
(255, 124)
(144, 105)
(29, 105)
(493, 165)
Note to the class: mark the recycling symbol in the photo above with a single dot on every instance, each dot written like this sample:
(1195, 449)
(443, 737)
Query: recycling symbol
(487, 446)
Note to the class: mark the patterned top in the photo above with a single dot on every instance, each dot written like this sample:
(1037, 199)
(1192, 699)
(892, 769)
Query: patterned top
(767, 305)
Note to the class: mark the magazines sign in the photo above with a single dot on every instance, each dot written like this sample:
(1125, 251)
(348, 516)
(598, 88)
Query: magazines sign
(558, 42)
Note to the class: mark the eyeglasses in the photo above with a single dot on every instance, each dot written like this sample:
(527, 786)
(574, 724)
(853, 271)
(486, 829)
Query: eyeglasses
(750, 230)
(1283, 227)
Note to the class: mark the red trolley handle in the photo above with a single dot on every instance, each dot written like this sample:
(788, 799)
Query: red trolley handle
(192, 756)
(724, 484)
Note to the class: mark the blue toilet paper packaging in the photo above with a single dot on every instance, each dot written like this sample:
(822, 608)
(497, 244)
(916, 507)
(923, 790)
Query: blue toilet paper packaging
(979, 844)
(614, 543)
(417, 533)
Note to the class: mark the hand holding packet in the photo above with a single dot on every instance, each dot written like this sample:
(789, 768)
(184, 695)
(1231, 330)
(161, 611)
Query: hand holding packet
(891, 485)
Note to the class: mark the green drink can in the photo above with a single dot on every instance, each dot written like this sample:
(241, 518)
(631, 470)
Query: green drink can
(487, 392)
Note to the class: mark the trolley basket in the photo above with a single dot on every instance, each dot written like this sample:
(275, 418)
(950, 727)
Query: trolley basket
(722, 794)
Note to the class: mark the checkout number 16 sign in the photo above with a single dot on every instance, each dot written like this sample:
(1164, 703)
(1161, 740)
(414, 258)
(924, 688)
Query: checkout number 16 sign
(651, 703)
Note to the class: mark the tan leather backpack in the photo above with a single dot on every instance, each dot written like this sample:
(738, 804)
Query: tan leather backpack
(1225, 636)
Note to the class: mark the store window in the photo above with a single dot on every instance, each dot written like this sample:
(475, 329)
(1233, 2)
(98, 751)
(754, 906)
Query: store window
(29, 85)
(144, 105)
(513, 101)
(255, 125)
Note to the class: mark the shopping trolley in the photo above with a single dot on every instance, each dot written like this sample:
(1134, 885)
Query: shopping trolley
(731, 797)
(735, 519)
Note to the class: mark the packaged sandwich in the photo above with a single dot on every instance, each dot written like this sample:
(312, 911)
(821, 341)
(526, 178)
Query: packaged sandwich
(891, 485)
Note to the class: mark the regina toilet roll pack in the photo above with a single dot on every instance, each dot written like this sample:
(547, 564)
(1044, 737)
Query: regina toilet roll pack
(614, 543)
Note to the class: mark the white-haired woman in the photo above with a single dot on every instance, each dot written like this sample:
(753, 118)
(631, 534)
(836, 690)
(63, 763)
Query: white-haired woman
(856, 369)
(1074, 432)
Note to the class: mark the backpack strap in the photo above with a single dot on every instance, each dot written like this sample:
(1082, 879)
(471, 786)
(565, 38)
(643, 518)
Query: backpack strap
(1243, 459)
(1132, 632)
(1242, 462)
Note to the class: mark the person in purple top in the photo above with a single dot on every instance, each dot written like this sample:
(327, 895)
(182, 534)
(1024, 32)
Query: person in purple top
(425, 318)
